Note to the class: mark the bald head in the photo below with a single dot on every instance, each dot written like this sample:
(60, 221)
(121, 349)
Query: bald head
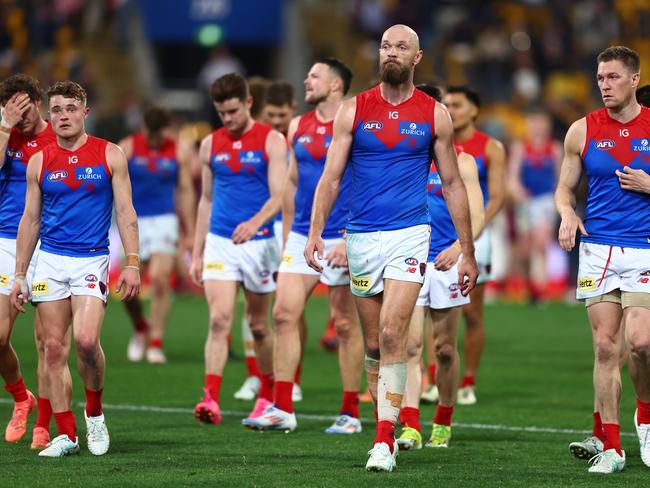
(401, 32)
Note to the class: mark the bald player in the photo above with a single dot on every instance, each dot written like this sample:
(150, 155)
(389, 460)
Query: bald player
(385, 135)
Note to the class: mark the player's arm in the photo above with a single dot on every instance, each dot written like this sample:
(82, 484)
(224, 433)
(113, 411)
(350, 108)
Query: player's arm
(329, 184)
(496, 156)
(185, 198)
(290, 184)
(126, 145)
(570, 173)
(127, 221)
(12, 113)
(203, 212)
(276, 149)
(28, 231)
(455, 195)
(517, 190)
(469, 174)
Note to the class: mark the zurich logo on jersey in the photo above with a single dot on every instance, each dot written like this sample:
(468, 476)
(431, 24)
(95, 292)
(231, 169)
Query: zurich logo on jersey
(250, 157)
(58, 175)
(412, 129)
(87, 173)
(605, 144)
(640, 145)
(372, 126)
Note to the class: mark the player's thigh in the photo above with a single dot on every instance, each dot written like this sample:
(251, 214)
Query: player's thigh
(161, 267)
(221, 296)
(473, 311)
(56, 319)
(292, 292)
(87, 318)
(605, 319)
(369, 309)
(341, 304)
(258, 306)
(7, 318)
(399, 301)
(636, 320)
(445, 323)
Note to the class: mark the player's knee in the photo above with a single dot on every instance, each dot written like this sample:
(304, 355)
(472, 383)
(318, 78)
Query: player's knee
(414, 347)
(391, 339)
(87, 347)
(606, 350)
(4, 341)
(343, 326)
(55, 354)
(445, 352)
(640, 347)
(220, 324)
(372, 349)
(159, 284)
(283, 316)
(259, 329)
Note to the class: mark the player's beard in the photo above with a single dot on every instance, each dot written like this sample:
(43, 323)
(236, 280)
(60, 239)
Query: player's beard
(394, 74)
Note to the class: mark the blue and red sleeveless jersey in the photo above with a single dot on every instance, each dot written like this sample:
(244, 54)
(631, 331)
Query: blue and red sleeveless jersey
(310, 144)
(154, 176)
(240, 179)
(390, 156)
(77, 199)
(614, 216)
(475, 147)
(13, 177)
(443, 231)
(538, 165)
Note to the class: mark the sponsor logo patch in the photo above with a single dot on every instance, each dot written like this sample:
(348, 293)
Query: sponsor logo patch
(286, 259)
(640, 145)
(4, 280)
(87, 173)
(250, 157)
(58, 175)
(411, 129)
(411, 261)
(587, 284)
(91, 278)
(215, 267)
(361, 283)
(40, 288)
(221, 157)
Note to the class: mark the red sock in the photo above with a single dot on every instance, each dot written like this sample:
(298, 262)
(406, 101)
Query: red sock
(468, 380)
(141, 326)
(296, 378)
(643, 412)
(251, 367)
(44, 413)
(432, 373)
(65, 424)
(283, 401)
(94, 402)
(157, 343)
(410, 417)
(385, 433)
(443, 415)
(612, 437)
(17, 390)
(266, 390)
(598, 427)
(350, 405)
(213, 385)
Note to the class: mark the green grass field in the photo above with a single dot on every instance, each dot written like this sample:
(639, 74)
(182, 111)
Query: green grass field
(536, 373)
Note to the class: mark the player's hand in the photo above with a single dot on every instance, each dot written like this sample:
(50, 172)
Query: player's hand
(315, 246)
(196, 270)
(568, 228)
(15, 108)
(19, 293)
(245, 232)
(467, 274)
(447, 258)
(634, 180)
(337, 257)
(129, 281)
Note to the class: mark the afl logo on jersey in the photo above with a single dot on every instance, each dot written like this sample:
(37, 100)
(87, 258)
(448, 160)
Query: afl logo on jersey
(605, 144)
(221, 157)
(372, 126)
(304, 140)
(58, 175)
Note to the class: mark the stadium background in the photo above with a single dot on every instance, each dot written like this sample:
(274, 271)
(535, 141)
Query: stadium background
(519, 55)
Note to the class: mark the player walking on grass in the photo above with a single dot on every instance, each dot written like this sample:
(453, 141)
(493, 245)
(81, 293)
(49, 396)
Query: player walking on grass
(310, 135)
(23, 132)
(441, 295)
(464, 104)
(614, 269)
(386, 135)
(71, 186)
(162, 184)
(244, 165)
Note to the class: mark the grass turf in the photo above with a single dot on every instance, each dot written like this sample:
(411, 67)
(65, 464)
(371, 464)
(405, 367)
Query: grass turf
(536, 371)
